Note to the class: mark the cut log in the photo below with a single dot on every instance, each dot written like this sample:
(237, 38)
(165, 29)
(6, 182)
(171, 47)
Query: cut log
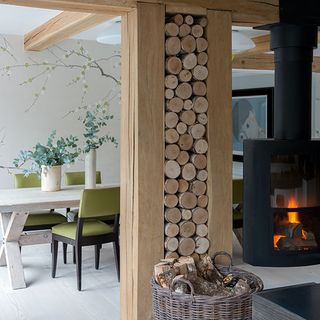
(199, 88)
(187, 229)
(199, 161)
(181, 128)
(183, 158)
(185, 141)
(188, 172)
(184, 90)
(199, 215)
(171, 81)
(172, 136)
(188, 200)
(171, 186)
(201, 146)
(183, 185)
(170, 254)
(198, 187)
(173, 215)
(172, 29)
(178, 19)
(202, 118)
(172, 169)
(188, 104)
(173, 65)
(188, 44)
(201, 230)
(203, 21)
(202, 245)
(186, 246)
(189, 20)
(185, 75)
(202, 175)
(188, 117)
(203, 201)
(160, 269)
(197, 31)
(169, 94)
(195, 257)
(184, 30)
(200, 104)
(171, 229)
(172, 151)
(175, 104)
(171, 244)
(186, 214)
(173, 46)
(171, 119)
(200, 73)
(197, 131)
(201, 44)
(170, 200)
(202, 58)
(189, 61)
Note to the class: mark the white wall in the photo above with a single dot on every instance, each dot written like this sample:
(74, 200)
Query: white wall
(20, 129)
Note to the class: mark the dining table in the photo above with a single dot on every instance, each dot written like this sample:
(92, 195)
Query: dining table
(15, 206)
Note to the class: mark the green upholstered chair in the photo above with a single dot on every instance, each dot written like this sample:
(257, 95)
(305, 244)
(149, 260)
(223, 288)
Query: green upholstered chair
(88, 230)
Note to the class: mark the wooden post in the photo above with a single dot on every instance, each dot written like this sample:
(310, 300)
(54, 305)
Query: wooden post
(142, 154)
(219, 131)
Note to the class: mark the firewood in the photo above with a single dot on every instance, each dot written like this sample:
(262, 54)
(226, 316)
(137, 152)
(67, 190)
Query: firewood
(178, 19)
(186, 214)
(185, 75)
(165, 278)
(181, 128)
(199, 88)
(241, 287)
(207, 270)
(188, 104)
(188, 172)
(172, 151)
(195, 257)
(200, 104)
(169, 261)
(201, 44)
(170, 200)
(199, 161)
(171, 120)
(189, 44)
(201, 230)
(187, 229)
(200, 73)
(171, 81)
(171, 136)
(183, 158)
(173, 65)
(171, 244)
(184, 90)
(188, 117)
(203, 201)
(202, 118)
(198, 187)
(169, 94)
(203, 21)
(185, 141)
(171, 229)
(173, 46)
(184, 30)
(189, 20)
(201, 146)
(171, 186)
(186, 246)
(170, 254)
(202, 58)
(160, 268)
(197, 131)
(172, 169)
(175, 104)
(189, 61)
(202, 175)
(173, 215)
(188, 200)
(183, 185)
(172, 29)
(199, 215)
(197, 31)
(202, 245)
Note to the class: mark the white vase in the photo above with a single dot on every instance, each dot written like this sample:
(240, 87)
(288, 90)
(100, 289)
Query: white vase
(90, 169)
(50, 178)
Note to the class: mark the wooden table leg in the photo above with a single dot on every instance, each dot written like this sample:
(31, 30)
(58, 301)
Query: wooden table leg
(12, 250)
(4, 221)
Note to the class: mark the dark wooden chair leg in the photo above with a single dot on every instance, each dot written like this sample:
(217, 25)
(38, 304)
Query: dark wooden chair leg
(74, 254)
(97, 255)
(78, 265)
(54, 257)
(65, 245)
(116, 250)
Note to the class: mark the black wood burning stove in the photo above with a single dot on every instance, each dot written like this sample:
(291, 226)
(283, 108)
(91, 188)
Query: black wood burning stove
(282, 175)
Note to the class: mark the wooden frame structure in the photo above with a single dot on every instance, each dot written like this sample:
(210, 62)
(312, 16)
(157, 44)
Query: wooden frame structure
(142, 122)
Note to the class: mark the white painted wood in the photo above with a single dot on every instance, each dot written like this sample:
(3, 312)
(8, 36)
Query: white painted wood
(35, 237)
(15, 226)
(4, 221)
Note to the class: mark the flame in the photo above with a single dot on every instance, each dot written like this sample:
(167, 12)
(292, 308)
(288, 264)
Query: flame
(293, 217)
(276, 238)
(304, 235)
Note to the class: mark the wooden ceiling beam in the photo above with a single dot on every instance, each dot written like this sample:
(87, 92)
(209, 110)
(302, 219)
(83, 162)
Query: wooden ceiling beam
(63, 26)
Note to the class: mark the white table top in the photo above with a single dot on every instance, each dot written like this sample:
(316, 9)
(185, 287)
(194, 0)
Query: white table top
(30, 199)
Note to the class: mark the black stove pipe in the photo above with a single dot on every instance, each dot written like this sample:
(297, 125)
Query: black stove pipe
(293, 53)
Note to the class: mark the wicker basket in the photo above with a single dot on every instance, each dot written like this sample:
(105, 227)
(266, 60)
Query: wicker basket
(169, 305)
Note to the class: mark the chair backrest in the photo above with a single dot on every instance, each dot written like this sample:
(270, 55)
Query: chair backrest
(77, 178)
(237, 189)
(99, 202)
(30, 181)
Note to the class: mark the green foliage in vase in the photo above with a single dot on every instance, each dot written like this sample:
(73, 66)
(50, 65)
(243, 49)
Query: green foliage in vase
(55, 153)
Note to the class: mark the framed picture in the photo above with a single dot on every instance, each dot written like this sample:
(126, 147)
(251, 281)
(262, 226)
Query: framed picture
(252, 117)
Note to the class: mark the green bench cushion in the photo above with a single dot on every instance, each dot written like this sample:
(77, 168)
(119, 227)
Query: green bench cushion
(90, 228)
(39, 219)
(72, 215)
